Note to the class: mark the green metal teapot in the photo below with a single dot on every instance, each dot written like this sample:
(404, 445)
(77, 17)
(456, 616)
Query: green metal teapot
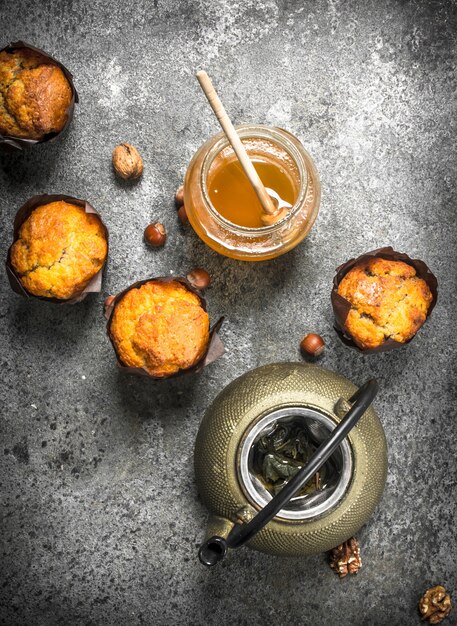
(330, 419)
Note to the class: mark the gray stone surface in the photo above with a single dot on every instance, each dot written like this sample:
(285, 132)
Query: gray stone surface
(100, 514)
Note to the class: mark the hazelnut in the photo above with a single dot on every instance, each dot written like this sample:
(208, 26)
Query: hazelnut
(182, 215)
(199, 278)
(127, 161)
(312, 345)
(155, 234)
(179, 197)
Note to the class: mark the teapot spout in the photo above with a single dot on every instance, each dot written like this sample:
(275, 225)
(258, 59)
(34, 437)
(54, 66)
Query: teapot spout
(214, 548)
(219, 526)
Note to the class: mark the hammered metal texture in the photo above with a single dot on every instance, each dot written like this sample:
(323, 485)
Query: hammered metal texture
(249, 398)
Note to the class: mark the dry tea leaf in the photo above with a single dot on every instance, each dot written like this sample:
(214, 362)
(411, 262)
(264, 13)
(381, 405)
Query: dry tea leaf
(281, 454)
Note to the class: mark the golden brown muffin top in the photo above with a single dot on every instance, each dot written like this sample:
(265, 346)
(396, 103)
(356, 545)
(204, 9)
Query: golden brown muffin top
(388, 301)
(59, 249)
(160, 327)
(34, 95)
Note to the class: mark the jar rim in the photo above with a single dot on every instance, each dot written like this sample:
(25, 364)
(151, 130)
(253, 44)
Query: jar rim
(285, 141)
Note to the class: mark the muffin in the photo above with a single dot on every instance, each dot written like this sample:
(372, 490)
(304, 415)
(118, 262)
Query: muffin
(59, 248)
(388, 301)
(35, 94)
(160, 327)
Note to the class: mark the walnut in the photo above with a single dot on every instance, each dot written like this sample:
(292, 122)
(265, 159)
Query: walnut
(435, 604)
(345, 558)
(127, 161)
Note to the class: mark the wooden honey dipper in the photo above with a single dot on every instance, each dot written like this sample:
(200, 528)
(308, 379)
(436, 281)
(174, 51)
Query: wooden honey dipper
(274, 209)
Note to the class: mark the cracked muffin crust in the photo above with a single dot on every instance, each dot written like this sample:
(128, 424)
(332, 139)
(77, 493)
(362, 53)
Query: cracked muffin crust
(35, 95)
(388, 301)
(160, 327)
(59, 249)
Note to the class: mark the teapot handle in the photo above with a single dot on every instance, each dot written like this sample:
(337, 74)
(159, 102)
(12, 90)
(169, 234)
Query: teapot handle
(215, 548)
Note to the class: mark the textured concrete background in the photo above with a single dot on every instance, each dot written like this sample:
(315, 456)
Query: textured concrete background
(100, 515)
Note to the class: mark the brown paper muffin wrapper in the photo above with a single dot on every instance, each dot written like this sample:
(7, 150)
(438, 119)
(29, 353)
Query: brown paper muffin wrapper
(215, 347)
(95, 284)
(12, 144)
(341, 306)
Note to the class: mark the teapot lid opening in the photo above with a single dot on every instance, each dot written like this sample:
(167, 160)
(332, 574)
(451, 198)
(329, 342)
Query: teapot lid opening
(275, 448)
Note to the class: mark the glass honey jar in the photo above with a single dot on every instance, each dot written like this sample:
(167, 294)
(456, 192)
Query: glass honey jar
(224, 210)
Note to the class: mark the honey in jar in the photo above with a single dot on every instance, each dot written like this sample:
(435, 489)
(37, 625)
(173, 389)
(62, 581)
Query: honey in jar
(233, 196)
(223, 208)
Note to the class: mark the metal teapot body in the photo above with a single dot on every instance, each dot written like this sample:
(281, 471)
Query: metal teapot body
(248, 407)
